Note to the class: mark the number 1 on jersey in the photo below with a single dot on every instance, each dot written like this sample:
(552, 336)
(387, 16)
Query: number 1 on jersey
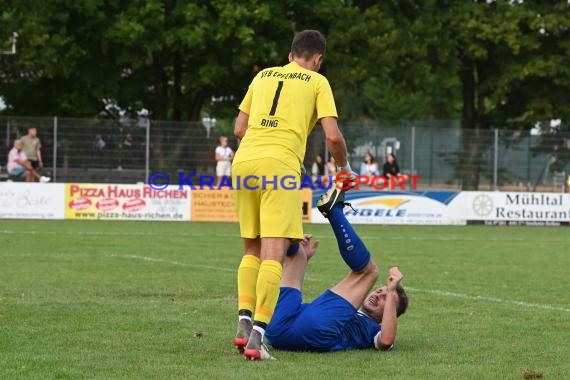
(276, 98)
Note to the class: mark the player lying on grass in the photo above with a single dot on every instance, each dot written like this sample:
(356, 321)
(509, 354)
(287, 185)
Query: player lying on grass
(345, 316)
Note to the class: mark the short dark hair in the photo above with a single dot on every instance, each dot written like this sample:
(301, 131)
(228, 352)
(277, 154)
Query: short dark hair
(308, 43)
(402, 300)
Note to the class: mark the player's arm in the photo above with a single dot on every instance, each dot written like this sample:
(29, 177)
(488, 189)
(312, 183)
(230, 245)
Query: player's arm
(327, 116)
(387, 337)
(241, 125)
(335, 140)
(244, 110)
(337, 147)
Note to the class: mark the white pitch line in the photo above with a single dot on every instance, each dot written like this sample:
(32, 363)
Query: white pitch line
(188, 265)
(177, 263)
(440, 293)
(489, 299)
(236, 235)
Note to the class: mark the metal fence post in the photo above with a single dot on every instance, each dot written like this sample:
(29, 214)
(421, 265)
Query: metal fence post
(413, 149)
(528, 150)
(496, 160)
(430, 156)
(147, 151)
(8, 134)
(54, 165)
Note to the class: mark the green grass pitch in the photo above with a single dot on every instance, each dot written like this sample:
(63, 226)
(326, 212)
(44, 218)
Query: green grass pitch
(157, 300)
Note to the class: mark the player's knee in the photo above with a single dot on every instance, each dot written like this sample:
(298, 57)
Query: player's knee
(252, 247)
(371, 271)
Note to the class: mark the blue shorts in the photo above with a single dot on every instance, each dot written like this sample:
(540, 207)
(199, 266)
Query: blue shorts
(315, 326)
(17, 171)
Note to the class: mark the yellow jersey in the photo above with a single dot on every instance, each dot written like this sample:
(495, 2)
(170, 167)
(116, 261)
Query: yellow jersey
(283, 104)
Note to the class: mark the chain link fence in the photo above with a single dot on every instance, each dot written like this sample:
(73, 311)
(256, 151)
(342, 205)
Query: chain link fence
(443, 154)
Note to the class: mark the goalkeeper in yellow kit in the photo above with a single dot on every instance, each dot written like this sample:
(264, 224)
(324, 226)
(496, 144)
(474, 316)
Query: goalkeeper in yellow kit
(280, 109)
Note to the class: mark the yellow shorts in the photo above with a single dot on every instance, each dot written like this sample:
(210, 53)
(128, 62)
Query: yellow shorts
(262, 208)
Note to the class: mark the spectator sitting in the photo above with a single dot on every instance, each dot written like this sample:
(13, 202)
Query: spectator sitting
(369, 166)
(19, 166)
(390, 167)
(319, 170)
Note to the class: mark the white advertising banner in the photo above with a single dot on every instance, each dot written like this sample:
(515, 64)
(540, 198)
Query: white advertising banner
(393, 207)
(451, 207)
(517, 208)
(88, 201)
(22, 200)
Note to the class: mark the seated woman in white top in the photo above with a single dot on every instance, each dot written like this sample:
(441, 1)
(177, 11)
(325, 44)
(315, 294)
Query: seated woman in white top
(369, 166)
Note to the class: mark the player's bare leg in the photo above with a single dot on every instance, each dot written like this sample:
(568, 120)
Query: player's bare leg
(295, 263)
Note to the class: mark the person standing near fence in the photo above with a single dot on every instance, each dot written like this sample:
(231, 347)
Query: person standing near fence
(224, 156)
(280, 108)
(32, 147)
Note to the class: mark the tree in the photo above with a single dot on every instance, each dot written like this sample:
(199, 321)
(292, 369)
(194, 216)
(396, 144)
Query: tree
(512, 65)
(166, 56)
(494, 64)
(169, 57)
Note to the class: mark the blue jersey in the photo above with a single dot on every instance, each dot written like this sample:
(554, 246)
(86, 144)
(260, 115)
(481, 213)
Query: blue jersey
(329, 323)
(359, 332)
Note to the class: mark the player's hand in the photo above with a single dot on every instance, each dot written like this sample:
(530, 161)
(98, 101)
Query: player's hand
(309, 248)
(41, 164)
(394, 278)
(346, 179)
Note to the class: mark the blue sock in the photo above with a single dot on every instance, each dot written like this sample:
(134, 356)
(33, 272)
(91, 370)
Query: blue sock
(293, 248)
(352, 249)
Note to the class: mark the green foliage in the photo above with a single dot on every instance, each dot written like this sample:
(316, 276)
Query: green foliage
(492, 64)
(167, 56)
(511, 59)
(495, 63)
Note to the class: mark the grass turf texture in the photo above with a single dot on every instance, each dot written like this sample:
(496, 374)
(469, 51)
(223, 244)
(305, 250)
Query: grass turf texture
(157, 300)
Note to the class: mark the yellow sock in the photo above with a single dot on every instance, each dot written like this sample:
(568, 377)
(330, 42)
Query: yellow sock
(247, 281)
(267, 290)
